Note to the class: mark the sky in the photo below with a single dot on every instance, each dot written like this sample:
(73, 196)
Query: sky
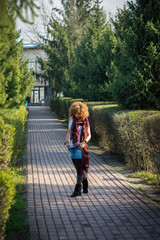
(110, 6)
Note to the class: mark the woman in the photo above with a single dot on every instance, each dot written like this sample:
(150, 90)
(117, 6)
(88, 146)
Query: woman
(77, 138)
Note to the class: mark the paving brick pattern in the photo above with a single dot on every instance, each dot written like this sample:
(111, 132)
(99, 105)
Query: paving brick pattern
(111, 210)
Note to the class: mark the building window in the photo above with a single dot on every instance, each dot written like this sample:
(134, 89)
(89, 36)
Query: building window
(33, 65)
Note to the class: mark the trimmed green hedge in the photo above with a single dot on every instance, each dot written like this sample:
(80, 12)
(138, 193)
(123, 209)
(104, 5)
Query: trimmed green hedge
(103, 128)
(133, 134)
(139, 138)
(7, 132)
(7, 192)
(12, 125)
(61, 105)
(13, 122)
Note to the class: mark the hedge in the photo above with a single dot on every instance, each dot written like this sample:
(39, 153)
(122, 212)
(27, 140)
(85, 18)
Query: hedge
(12, 125)
(6, 146)
(61, 105)
(16, 118)
(7, 192)
(133, 134)
(139, 138)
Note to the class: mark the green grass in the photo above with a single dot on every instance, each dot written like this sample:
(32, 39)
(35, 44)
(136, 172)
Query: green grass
(19, 203)
(147, 177)
(140, 189)
(17, 222)
(20, 176)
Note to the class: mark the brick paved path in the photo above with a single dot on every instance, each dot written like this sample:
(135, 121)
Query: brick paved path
(111, 210)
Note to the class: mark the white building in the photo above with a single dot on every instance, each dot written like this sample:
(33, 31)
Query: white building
(41, 91)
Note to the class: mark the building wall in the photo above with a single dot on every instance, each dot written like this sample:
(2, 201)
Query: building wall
(32, 55)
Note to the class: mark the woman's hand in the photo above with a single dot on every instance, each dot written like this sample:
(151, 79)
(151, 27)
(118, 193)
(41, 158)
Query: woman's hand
(82, 144)
(66, 143)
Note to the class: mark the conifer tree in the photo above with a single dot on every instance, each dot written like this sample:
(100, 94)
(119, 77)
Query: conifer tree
(27, 79)
(16, 8)
(93, 58)
(11, 68)
(137, 59)
(75, 17)
(60, 53)
(65, 29)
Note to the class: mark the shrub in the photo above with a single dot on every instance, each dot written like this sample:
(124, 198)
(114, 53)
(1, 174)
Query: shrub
(103, 128)
(6, 148)
(152, 129)
(12, 125)
(61, 105)
(7, 192)
(136, 145)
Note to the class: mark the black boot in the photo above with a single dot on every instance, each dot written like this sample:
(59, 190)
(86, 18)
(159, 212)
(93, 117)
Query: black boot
(77, 191)
(85, 186)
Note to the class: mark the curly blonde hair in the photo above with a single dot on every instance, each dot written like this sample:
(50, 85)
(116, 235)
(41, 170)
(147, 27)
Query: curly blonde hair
(78, 110)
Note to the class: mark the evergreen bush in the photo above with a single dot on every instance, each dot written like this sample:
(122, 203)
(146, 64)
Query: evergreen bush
(135, 79)
(61, 105)
(14, 120)
(7, 192)
(103, 128)
(12, 125)
(6, 147)
(138, 137)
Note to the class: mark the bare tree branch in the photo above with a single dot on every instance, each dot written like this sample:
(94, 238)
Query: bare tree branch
(38, 31)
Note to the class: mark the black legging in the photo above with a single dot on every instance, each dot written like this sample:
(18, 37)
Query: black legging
(81, 170)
